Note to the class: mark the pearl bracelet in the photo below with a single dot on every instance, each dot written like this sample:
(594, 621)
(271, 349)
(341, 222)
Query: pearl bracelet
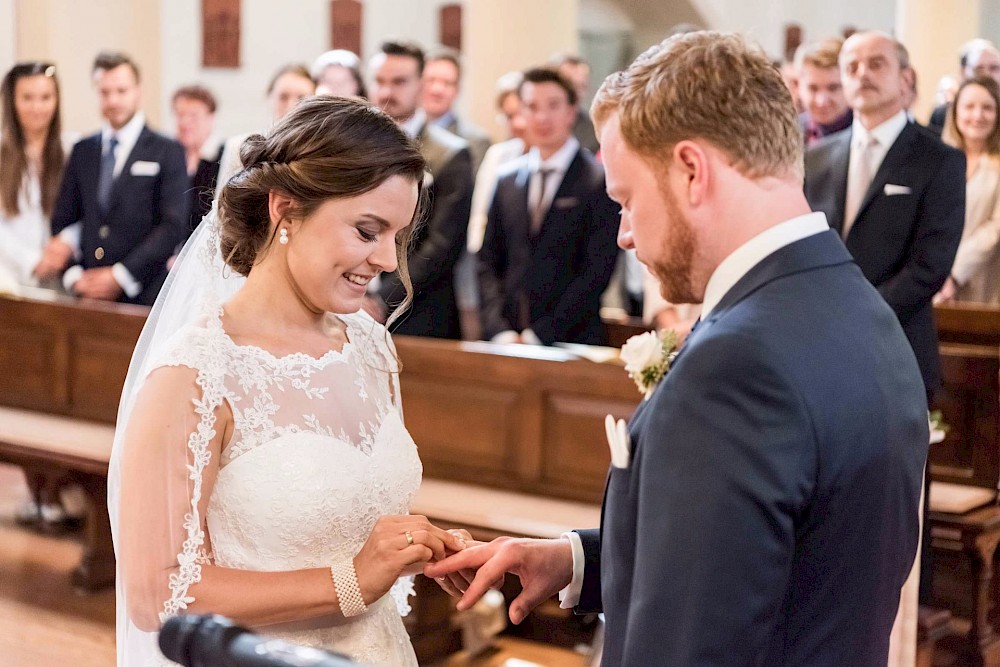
(345, 582)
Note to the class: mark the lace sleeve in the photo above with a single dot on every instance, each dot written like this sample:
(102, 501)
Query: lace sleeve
(169, 465)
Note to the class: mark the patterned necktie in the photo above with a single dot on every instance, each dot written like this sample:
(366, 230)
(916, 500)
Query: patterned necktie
(107, 174)
(538, 211)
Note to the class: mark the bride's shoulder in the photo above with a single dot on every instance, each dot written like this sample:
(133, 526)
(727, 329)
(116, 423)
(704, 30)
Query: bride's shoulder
(368, 334)
(198, 345)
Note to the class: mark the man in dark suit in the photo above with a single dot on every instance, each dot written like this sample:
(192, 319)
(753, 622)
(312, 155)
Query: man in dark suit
(763, 508)
(123, 205)
(894, 193)
(440, 240)
(549, 247)
(440, 85)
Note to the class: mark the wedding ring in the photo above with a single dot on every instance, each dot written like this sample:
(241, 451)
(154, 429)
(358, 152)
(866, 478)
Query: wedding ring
(409, 539)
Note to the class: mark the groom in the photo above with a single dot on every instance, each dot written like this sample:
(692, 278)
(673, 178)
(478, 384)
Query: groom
(768, 511)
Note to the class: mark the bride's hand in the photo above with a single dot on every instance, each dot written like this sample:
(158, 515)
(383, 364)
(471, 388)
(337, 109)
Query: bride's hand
(456, 583)
(398, 546)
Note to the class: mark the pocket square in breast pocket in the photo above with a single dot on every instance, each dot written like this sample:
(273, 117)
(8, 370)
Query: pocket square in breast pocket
(890, 190)
(565, 202)
(144, 168)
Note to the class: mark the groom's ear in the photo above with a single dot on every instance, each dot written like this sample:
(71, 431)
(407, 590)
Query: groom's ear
(279, 205)
(690, 162)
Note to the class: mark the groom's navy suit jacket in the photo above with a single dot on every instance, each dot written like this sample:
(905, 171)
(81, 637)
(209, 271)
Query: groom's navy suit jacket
(769, 513)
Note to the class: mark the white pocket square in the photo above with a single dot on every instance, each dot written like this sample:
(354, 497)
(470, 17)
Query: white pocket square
(143, 168)
(890, 190)
(618, 441)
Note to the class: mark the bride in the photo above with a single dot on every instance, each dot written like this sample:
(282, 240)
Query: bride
(261, 469)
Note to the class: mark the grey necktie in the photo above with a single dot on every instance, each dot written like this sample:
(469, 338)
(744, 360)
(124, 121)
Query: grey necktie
(107, 174)
(539, 210)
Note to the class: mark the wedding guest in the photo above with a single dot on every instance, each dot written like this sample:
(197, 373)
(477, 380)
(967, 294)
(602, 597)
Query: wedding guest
(32, 156)
(549, 247)
(977, 57)
(440, 85)
(194, 110)
(822, 95)
(438, 244)
(973, 127)
(289, 86)
(576, 70)
(338, 73)
(120, 227)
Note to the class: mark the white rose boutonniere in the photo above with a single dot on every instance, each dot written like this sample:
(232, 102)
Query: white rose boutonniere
(648, 357)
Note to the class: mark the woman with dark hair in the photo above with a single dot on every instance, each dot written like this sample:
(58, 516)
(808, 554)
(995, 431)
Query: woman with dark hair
(261, 469)
(973, 126)
(290, 85)
(32, 155)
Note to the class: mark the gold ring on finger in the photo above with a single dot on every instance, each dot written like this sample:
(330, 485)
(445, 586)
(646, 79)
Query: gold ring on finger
(409, 539)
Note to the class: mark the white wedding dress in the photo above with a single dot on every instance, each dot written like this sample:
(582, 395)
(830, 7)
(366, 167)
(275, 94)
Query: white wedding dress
(318, 453)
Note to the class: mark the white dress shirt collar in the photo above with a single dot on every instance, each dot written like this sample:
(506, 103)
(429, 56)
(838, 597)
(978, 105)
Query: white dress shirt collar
(754, 251)
(559, 161)
(885, 133)
(444, 120)
(127, 137)
(415, 124)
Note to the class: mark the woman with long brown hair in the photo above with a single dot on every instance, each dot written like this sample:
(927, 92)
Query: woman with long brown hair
(973, 126)
(32, 155)
(31, 166)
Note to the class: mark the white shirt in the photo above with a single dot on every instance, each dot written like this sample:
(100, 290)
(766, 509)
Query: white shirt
(127, 137)
(416, 123)
(726, 275)
(557, 164)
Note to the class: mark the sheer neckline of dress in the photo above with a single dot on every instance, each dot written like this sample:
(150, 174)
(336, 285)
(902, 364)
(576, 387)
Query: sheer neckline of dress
(327, 357)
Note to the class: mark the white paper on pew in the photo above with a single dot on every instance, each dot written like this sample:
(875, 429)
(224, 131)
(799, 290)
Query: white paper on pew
(599, 354)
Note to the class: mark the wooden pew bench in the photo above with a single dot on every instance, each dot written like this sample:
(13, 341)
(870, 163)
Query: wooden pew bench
(83, 449)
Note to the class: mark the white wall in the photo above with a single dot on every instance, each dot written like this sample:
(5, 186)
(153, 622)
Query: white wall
(8, 35)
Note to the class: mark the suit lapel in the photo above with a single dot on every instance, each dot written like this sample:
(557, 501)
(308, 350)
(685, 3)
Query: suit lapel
(523, 211)
(897, 155)
(567, 186)
(840, 160)
(126, 171)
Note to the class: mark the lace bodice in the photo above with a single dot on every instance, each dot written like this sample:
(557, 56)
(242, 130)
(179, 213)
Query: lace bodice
(317, 454)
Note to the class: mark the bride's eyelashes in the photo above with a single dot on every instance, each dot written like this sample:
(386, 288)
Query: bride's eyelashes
(367, 235)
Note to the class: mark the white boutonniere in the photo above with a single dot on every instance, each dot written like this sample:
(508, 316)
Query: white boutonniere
(648, 357)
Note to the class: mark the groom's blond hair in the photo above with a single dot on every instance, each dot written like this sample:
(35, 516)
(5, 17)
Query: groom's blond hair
(711, 86)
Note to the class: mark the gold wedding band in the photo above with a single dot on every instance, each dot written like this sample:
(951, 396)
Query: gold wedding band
(409, 538)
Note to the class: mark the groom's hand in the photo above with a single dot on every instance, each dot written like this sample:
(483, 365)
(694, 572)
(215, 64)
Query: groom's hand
(544, 567)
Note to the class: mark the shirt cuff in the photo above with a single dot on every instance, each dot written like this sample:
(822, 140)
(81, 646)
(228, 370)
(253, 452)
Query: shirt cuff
(72, 274)
(569, 597)
(129, 285)
(71, 237)
(507, 336)
(530, 337)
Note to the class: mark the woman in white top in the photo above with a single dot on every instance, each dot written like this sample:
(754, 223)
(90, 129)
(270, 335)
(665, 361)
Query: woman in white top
(973, 125)
(31, 166)
(32, 155)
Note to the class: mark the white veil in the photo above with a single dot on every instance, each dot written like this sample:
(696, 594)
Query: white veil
(198, 282)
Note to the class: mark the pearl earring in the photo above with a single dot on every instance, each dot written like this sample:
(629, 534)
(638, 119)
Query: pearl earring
(283, 236)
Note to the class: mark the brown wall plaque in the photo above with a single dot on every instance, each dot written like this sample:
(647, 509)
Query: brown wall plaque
(220, 33)
(451, 27)
(345, 25)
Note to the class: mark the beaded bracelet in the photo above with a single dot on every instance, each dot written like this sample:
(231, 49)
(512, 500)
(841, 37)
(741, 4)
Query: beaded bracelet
(345, 582)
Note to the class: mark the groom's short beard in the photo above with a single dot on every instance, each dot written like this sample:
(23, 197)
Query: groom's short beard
(672, 265)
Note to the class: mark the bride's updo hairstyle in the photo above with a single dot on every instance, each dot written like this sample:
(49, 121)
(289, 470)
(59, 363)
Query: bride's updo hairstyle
(326, 148)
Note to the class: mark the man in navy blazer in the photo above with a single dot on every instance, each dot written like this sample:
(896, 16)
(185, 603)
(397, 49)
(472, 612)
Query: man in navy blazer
(123, 205)
(549, 247)
(763, 510)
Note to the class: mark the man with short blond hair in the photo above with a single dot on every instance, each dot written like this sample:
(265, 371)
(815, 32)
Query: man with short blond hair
(761, 507)
(822, 95)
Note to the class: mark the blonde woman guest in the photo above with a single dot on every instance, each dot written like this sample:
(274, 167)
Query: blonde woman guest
(973, 126)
